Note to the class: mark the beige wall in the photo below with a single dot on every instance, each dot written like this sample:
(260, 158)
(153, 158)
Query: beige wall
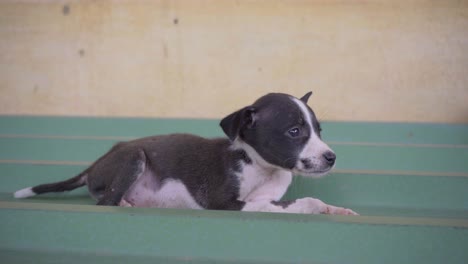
(364, 60)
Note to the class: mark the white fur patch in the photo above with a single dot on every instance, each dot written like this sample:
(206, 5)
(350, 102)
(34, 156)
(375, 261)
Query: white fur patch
(260, 180)
(147, 192)
(300, 206)
(314, 148)
(24, 193)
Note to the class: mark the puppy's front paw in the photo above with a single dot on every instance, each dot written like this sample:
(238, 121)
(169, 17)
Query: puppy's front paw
(346, 211)
(339, 211)
(315, 206)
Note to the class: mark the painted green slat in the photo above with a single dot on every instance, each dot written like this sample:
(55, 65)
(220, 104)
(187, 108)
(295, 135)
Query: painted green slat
(14, 176)
(352, 190)
(53, 149)
(405, 133)
(125, 231)
(91, 126)
(350, 157)
(399, 158)
(81, 197)
(13, 256)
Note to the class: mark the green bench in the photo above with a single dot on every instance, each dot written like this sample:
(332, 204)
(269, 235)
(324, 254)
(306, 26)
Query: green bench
(409, 182)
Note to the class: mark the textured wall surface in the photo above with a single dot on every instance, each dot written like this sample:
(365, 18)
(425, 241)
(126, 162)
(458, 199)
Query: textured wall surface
(364, 60)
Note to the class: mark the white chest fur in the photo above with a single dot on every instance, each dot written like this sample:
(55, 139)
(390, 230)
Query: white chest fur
(258, 179)
(260, 184)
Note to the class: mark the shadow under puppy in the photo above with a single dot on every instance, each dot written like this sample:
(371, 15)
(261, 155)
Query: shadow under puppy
(269, 141)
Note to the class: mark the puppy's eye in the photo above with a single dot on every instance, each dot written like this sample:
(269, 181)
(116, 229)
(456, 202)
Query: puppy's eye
(294, 132)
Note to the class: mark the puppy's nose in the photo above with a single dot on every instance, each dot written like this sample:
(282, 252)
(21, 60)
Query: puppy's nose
(330, 157)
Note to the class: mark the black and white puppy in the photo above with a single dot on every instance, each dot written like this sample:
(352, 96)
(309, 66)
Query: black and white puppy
(267, 143)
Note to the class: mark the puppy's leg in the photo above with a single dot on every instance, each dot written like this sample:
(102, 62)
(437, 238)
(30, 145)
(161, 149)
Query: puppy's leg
(300, 206)
(132, 166)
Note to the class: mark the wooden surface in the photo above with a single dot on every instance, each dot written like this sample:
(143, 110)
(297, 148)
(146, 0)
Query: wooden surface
(408, 182)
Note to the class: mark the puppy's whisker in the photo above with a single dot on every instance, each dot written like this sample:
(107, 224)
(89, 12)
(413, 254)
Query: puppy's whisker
(286, 161)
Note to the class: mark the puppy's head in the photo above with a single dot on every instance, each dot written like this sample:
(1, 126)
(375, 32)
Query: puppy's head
(284, 132)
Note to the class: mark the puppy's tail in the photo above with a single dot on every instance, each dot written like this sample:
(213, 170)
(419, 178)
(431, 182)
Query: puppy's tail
(67, 185)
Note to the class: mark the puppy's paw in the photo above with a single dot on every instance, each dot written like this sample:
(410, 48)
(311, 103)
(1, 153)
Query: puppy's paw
(346, 211)
(333, 210)
(310, 205)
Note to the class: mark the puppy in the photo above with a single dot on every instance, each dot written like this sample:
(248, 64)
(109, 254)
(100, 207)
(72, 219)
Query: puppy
(269, 141)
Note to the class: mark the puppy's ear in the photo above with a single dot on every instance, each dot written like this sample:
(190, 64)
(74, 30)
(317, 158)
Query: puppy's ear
(305, 98)
(234, 123)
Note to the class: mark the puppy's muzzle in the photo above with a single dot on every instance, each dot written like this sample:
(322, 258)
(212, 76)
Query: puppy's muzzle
(328, 157)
